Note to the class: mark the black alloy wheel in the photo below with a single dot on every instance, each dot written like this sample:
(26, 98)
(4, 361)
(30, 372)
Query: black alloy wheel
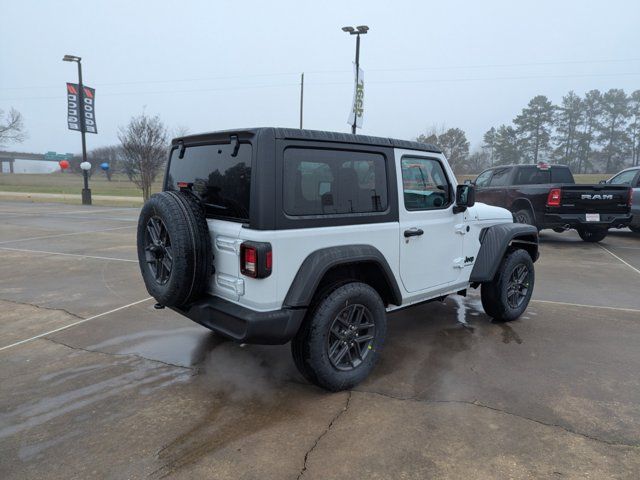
(158, 251)
(518, 285)
(351, 336)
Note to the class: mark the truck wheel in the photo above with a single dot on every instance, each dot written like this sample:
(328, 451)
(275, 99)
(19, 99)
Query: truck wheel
(524, 216)
(634, 229)
(340, 341)
(507, 296)
(174, 248)
(592, 235)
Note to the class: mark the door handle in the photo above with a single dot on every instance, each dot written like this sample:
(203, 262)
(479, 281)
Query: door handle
(413, 232)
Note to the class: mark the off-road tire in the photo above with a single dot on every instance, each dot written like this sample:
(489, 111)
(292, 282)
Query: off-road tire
(494, 293)
(592, 235)
(183, 217)
(310, 345)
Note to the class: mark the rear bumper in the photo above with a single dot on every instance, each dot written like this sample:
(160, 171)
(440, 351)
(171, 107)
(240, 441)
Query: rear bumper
(575, 220)
(242, 324)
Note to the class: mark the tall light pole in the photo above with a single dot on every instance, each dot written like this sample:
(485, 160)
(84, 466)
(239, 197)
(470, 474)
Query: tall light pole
(357, 31)
(86, 191)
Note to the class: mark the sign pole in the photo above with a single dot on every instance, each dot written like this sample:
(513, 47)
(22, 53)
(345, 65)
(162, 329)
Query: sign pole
(86, 191)
(353, 127)
(301, 97)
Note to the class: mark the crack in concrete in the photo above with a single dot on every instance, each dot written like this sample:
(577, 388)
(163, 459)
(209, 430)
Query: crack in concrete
(326, 431)
(40, 307)
(168, 364)
(475, 403)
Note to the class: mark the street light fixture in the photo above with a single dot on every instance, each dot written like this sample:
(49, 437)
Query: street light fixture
(86, 192)
(359, 30)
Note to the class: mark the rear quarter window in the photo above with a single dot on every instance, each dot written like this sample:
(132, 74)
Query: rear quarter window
(330, 182)
(219, 179)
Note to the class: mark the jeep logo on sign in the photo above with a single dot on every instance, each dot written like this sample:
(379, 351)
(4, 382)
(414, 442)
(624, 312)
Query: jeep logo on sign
(597, 196)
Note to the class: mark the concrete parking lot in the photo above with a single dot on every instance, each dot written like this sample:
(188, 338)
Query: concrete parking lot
(116, 389)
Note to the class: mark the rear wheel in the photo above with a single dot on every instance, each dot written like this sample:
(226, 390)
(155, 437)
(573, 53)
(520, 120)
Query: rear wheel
(524, 216)
(340, 342)
(592, 234)
(507, 296)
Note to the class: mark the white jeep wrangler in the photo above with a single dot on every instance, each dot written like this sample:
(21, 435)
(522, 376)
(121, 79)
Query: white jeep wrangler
(272, 235)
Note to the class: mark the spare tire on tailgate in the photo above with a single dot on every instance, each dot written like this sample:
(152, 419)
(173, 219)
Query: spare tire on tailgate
(174, 248)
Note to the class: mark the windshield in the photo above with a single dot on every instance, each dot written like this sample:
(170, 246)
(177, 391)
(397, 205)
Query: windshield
(222, 181)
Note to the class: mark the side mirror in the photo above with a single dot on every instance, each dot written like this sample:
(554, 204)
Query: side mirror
(465, 197)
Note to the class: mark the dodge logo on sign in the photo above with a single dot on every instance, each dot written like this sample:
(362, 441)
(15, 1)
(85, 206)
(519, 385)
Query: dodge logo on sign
(74, 110)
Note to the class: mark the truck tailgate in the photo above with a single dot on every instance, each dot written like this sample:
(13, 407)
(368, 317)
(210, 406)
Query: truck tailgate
(594, 199)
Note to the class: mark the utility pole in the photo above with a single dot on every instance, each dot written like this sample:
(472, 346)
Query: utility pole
(301, 97)
(86, 191)
(357, 31)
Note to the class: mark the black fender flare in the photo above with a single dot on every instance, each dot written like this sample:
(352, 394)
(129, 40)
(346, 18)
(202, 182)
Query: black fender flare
(319, 262)
(530, 206)
(494, 242)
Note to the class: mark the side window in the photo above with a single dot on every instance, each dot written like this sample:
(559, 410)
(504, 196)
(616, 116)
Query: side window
(500, 177)
(624, 178)
(483, 179)
(424, 183)
(329, 182)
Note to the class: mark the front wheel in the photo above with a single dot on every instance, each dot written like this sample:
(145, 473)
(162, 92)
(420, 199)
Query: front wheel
(634, 229)
(340, 341)
(592, 235)
(507, 296)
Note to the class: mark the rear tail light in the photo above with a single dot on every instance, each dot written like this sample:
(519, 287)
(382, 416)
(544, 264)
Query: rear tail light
(256, 259)
(554, 198)
(630, 197)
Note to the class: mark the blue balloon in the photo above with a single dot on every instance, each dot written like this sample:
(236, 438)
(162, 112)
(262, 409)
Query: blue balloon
(104, 166)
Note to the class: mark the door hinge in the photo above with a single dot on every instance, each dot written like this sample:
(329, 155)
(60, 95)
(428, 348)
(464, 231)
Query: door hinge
(461, 228)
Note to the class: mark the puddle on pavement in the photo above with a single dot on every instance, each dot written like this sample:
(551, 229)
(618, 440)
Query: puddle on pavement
(186, 346)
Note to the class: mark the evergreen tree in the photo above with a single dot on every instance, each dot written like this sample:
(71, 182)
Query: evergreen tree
(533, 126)
(568, 119)
(490, 143)
(592, 109)
(634, 127)
(612, 135)
(506, 149)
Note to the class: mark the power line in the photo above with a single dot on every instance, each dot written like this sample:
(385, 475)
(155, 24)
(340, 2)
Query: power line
(398, 69)
(372, 82)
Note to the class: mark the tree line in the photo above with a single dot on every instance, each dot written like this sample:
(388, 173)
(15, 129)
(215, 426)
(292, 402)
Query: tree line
(599, 132)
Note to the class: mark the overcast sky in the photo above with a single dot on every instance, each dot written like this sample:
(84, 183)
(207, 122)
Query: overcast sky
(208, 65)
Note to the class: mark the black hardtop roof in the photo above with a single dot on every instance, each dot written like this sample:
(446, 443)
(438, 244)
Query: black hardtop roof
(312, 135)
(549, 165)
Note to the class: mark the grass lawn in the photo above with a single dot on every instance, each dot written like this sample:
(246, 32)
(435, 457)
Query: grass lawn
(69, 183)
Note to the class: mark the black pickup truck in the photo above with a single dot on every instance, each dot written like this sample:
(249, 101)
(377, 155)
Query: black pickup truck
(547, 196)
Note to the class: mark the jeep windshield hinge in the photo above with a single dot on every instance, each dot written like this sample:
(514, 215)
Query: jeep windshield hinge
(236, 145)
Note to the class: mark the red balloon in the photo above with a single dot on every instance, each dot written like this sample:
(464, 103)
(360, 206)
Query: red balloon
(63, 164)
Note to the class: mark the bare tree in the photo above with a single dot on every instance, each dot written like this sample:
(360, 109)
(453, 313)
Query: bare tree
(144, 150)
(11, 127)
(111, 154)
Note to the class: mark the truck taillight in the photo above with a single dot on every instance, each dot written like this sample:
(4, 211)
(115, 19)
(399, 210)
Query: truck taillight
(554, 198)
(256, 259)
(630, 197)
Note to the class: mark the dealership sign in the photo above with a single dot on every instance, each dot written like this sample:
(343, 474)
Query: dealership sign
(87, 109)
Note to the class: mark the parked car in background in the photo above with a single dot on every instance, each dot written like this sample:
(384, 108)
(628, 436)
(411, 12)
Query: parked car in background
(631, 178)
(547, 196)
